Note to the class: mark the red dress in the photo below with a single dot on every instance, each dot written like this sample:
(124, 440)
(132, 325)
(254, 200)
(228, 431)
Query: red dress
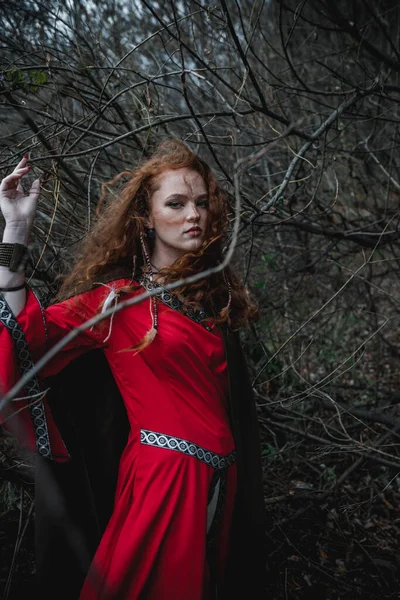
(168, 536)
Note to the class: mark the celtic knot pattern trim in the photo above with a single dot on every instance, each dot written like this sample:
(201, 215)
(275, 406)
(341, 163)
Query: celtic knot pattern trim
(171, 300)
(162, 440)
(32, 388)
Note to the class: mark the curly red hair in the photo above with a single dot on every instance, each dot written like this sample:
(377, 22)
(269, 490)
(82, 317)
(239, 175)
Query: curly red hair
(115, 238)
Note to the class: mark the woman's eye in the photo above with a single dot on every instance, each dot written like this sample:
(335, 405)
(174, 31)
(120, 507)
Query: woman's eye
(177, 204)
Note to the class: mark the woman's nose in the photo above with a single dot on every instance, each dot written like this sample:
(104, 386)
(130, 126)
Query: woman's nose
(192, 212)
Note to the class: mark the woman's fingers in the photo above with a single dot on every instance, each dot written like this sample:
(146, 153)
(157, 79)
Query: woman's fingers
(21, 167)
(35, 188)
(22, 162)
(19, 171)
(11, 180)
(9, 183)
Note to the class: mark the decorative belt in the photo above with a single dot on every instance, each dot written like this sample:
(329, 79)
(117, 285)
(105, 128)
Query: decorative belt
(162, 440)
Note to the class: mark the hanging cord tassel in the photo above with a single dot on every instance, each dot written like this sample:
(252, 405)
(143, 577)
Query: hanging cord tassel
(152, 332)
(112, 298)
(153, 300)
(146, 257)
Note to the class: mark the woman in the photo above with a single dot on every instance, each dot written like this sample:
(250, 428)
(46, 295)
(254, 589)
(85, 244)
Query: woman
(187, 514)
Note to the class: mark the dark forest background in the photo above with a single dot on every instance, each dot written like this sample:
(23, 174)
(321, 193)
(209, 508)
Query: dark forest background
(298, 102)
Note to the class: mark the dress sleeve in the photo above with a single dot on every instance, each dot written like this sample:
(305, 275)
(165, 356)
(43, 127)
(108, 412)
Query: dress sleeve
(24, 339)
(43, 328)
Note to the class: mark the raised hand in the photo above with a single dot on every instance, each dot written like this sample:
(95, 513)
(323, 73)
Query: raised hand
(19, 208)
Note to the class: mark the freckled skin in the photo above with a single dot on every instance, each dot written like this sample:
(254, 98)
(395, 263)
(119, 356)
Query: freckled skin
(179, 203)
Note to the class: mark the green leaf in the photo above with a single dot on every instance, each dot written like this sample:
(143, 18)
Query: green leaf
(270, 452)
(16, 76)
(38, 77)
(269, 259)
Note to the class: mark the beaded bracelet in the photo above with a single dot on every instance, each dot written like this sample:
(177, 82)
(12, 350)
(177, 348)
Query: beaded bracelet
(12, 289)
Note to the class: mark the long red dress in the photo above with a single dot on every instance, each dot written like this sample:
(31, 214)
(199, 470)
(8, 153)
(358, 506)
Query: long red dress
(168, 536)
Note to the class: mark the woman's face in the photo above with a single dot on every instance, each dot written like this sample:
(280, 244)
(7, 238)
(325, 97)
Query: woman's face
(178, 214)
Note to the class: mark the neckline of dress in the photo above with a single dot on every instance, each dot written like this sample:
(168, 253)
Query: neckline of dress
(170, 299)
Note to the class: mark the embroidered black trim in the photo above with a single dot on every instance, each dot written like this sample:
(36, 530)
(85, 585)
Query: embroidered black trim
(32, 388)
(171, 300)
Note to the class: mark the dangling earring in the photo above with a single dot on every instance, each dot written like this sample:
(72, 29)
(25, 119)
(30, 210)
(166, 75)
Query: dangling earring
(152, 332)
(151, 233)
(146, 257)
